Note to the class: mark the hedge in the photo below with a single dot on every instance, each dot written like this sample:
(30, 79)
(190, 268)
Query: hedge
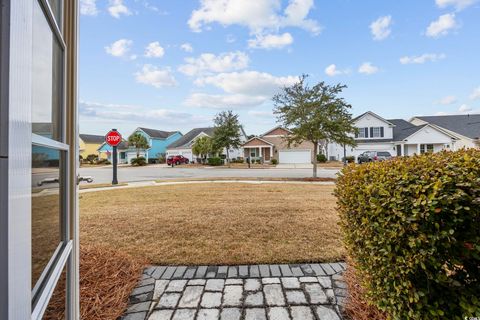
(215, 161)
(412, 228)
(140, 161)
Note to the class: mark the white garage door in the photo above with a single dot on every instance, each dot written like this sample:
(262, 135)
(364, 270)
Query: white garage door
(295, 156)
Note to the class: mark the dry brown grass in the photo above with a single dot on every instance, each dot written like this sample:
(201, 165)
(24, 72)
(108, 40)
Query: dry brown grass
(107, 278)
(216, 223)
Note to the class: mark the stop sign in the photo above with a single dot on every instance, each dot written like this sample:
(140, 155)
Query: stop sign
(113, 138)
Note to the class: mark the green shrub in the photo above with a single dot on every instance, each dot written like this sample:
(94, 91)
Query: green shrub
(215, 161)
(274, 161)
(321, 158)
(350, 159)
(411, 226)
(140, 161)
(103, 161)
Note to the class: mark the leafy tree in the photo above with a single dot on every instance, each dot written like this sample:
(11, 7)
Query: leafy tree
(138, 141)
(203, 146)
(227, 131)
(315, 114)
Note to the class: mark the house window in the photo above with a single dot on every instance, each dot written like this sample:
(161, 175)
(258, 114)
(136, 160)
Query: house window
(377, 132)
(426, 148)
(253, 153)
(362, 133)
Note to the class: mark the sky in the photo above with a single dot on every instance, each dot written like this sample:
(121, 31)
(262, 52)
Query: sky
(173, 65)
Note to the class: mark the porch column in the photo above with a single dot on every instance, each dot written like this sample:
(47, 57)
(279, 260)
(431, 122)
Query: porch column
(271, 153)
(260, 151)
(418, 148)
(402, 149)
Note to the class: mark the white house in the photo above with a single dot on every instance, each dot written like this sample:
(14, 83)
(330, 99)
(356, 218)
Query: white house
(402, 138)
(183, 146)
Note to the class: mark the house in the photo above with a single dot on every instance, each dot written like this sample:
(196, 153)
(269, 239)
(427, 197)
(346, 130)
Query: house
(125, 153)
(89, 144)
(158, 141)
(183, 146)
(273, 145)
(396, 136)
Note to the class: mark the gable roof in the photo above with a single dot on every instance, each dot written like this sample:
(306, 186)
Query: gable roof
(92, 138)
(374, 115)
(159, 134)
(467, 125)
(121, 146)
(403, 129)
(258, 138)
(185, 140)
(273, 129)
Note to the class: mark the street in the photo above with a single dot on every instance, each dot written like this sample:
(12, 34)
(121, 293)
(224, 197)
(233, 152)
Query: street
(157, 172)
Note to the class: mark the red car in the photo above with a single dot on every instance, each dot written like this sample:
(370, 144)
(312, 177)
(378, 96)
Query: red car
(176, 160)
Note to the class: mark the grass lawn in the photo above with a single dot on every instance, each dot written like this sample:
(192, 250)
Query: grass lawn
(216, 223)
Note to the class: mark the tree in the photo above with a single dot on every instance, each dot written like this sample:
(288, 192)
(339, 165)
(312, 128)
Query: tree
(227, 131)
(315, 114)
(138, 141)
(202, 147)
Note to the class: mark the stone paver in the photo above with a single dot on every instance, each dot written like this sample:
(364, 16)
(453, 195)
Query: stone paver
(247, 292)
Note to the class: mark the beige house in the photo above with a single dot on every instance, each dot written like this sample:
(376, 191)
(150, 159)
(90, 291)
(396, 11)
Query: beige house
(273, 145)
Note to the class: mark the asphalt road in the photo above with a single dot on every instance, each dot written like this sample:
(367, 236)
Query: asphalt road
(156, 172)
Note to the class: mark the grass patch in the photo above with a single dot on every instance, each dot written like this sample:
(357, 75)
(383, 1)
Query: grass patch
(100, 185)
(216, 223)
(248, 179)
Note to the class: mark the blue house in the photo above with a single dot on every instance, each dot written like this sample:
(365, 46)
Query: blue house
(158, 141)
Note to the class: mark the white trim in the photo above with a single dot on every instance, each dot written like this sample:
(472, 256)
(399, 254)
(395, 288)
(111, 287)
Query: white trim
(434, 128)
(374, 115)
(49, 143)
(251, 139)
(277, 127)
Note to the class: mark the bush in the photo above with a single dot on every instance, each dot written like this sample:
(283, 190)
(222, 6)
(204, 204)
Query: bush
(350, 159)
(215, 161)
(274, 161)
(103, 161)
(411, 228)
(321, 158)
(140, 161)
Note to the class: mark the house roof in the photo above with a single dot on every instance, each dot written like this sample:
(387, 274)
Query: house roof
(273, 129)
(260, 139)
(121, 146)
(185, 140)
(403, 129)
(92, 138)
(159, 134)
(467, 125)
(374, 115)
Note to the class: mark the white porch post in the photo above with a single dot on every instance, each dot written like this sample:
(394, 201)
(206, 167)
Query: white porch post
(271, 153)
(402, 149)
(260, 151)
(418, 148)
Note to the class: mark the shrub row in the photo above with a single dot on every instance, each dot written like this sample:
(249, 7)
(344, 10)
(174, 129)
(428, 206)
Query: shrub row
(215, 161)
(412, 228)
(140, 161)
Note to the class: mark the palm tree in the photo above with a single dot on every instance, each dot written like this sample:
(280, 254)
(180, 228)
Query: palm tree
(138, 142)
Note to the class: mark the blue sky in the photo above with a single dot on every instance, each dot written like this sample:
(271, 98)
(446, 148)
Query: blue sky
(172, 65)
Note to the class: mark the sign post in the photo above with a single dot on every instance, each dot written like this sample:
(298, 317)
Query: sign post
(113, 139)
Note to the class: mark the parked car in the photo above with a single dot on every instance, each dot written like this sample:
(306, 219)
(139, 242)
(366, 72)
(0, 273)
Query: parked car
(370, 156)
(176, 160)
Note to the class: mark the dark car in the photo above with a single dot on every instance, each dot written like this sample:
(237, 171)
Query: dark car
(176, 160)
(371, 156)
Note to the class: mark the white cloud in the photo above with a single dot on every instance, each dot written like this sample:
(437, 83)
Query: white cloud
(154, 50)
(117, 8)
(368, 68)
(475, 94)
(380, 28)
(261, 114)
(332, 71)
(464, 108)
(271, 41)
(210, 63)
(187, 47)
(427, 57)
(442, 26)
(458, 4)
(259, 15)
(155, 76)
(88, 7)
(248, 83)
(136, 114)
(120, 48)
(447, 100)
(223, 101)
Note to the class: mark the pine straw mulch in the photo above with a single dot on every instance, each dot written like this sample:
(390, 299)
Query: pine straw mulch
(107, 278)
(357, 307)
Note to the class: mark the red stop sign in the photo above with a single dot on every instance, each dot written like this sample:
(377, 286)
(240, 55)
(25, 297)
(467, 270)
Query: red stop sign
(113, 138)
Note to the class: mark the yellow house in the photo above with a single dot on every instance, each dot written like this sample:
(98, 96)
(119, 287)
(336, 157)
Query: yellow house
(89, 144)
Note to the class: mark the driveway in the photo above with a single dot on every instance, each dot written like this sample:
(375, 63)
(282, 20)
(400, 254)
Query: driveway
(162, 172)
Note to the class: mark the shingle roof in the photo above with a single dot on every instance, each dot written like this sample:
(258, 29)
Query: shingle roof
(189, 136)
(154, 133)
(403, 129)
(92, 138)
(467, 125)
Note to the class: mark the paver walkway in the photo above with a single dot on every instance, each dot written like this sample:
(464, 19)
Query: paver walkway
(254, 292)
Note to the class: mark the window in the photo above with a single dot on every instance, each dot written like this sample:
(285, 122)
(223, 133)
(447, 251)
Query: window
(376, 132)
(362, 133)
(426, 148)
(253, 153)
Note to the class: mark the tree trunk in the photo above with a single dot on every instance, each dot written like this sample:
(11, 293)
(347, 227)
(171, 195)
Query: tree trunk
(315, 152)
(228, 158)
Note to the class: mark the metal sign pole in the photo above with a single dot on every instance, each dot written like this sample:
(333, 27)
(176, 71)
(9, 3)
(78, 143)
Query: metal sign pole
(114, 163)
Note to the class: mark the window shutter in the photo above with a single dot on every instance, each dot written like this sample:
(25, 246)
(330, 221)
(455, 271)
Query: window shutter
(371, 132)
(382, 132)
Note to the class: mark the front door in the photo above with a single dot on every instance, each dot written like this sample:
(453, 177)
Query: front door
(266, 152)
(39, 160)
